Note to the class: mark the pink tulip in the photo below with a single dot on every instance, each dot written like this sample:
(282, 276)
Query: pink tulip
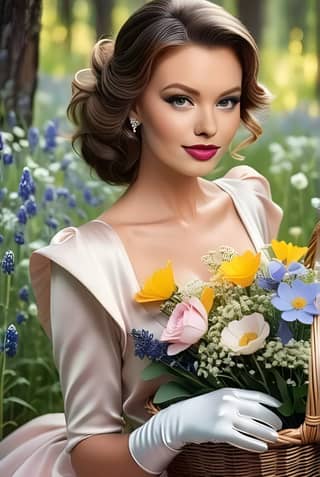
(186, 325)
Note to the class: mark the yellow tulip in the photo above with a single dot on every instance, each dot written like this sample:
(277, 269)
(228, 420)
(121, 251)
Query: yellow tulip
(286, 252)
(160, 286)
(242, 269)
(207, 298)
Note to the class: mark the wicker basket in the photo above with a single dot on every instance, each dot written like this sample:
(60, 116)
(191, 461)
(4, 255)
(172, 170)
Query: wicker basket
(297, 451)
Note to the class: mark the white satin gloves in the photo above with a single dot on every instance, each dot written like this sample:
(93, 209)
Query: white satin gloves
(234, 416)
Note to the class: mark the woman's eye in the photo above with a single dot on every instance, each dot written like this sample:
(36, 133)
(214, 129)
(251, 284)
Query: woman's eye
(229, 103)
(178, 100)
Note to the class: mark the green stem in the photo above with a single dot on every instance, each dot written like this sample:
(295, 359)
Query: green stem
(261, 373)
(3, 364)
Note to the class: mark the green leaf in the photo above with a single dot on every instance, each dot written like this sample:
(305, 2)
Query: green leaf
(171, 391)
(18, 381)
(22, 403)
(154, 370)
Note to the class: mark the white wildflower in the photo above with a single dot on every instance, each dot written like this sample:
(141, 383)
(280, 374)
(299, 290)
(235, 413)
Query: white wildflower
(299, 181)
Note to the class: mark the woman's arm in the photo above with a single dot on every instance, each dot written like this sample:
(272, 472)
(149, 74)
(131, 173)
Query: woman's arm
(105, 455)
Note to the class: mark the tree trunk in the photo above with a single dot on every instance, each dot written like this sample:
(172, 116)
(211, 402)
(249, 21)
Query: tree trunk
(20, 23)
(251, 13)
(104, 17)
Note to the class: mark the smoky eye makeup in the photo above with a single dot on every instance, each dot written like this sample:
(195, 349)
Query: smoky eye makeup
(181, 100)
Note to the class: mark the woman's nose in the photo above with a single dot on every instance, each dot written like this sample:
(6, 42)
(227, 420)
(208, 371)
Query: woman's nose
(207, 123)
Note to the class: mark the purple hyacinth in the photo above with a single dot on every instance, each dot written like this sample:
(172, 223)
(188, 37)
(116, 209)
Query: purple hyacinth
(33, 138)
(7, 158)
(22, 215)
(49, 194)
(11, 341)
(31, 207)
(50, 135)
(7, 263)
(62, 192)
(24, 293)
(26, 185)
(19, 237)
(20, 317)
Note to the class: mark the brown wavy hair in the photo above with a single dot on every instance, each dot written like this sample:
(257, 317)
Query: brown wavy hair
(103, 95)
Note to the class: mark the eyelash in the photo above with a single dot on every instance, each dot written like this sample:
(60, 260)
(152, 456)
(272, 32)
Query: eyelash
(234, 99)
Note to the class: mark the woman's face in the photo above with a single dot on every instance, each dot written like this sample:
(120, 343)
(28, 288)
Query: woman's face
(174, 116)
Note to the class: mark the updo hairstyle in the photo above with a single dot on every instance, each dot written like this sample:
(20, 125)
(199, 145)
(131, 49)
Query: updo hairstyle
(103, 95)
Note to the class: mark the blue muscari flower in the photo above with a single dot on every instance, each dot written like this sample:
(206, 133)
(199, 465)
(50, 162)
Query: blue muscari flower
(22, 215)
(12, 119)
(66, 161)
(49, 194)
(7, 158)
(72, 201)
(1, 142)
(7, 263)
(26, 184)
(52, 223)
(3, 192)
(11, 341)
(146, 346)
(1, 238)
(19, 237)
(62, 192)
(50, 135)
(297, 302)
(24, 293)
(20, 317)
(33, 138)
(31, 207)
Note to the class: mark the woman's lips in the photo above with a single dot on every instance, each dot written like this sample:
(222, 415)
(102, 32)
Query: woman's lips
(200, 153)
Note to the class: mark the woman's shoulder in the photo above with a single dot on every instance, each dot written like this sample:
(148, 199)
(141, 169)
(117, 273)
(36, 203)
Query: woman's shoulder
(249, 178)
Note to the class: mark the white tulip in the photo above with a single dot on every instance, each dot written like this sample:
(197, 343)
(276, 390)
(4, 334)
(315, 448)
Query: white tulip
(247, 335)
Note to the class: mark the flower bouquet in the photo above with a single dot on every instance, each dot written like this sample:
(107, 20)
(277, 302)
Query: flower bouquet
(248, 327)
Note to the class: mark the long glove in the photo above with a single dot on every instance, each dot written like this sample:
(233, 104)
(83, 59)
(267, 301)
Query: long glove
(218, 416)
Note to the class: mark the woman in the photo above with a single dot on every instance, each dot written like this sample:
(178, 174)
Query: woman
(156, 112)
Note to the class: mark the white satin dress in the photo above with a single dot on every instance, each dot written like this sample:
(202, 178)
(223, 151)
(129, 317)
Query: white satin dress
(84, 285)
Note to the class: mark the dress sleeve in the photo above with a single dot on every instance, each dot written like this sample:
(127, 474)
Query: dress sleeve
(87, 353)
(269, 213)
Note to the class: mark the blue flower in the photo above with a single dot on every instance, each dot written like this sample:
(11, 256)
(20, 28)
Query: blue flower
(49, 194)
(146, 346)
(31, 207)
(266, 283)
(19, 237)
(26, 184)
(50, 135)
(72, 202)
(66, 161)
(297, 301)
(284, 332)
(24, 293)
(1, 142)
(20, 317)
(52, 223)
(22, 215)
(7, 158)
(33, 137)
(11, 341)
(1, 238)
(7, 263)
(62, 192)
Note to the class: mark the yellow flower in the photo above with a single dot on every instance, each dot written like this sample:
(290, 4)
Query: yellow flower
(242, 269)
(207, 298)
(160, 286)
(286, 252)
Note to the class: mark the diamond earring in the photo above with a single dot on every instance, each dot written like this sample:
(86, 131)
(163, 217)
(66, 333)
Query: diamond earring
(134, 124)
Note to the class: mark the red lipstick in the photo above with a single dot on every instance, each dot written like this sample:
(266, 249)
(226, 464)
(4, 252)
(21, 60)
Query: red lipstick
(202, 152)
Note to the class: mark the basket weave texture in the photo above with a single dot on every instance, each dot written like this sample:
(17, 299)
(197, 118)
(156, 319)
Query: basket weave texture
(297, 451)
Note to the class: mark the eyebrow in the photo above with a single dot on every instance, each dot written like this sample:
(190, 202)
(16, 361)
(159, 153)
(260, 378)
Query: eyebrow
(196, 93)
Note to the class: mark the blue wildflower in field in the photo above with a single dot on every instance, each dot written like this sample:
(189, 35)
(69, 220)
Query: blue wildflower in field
(22, 215)
(50, 135)
(7, 263)
(31, 207)
(7, 158)
(21, 317)
(33, 138)
(297, 302)
(62, 192)
(24, 293)
(1, 142)
(52, 223)
(49, 194)
(19, 237)
(26, 184)
(1, 239)
(11, 341)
